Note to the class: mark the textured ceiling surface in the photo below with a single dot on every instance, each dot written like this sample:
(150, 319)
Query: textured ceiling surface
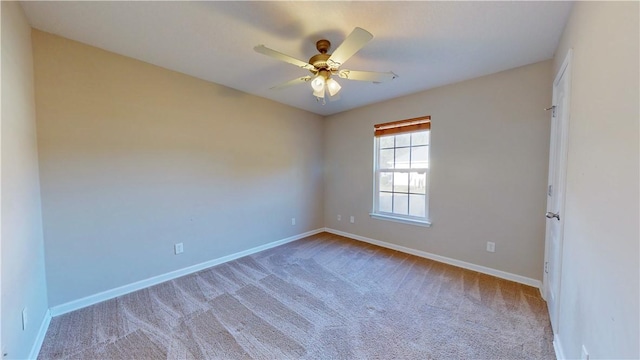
(428, 44)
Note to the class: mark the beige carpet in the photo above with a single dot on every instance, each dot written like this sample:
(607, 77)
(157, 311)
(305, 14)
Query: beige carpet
(323, 297)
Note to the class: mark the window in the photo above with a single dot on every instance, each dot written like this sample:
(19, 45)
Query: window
(402, 171)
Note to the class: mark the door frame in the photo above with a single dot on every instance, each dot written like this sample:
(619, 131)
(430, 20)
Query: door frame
(560, 187)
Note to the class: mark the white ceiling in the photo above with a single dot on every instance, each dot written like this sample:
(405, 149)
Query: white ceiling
(428, 44)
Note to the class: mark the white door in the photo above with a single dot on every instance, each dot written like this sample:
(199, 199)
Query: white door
(556, 190)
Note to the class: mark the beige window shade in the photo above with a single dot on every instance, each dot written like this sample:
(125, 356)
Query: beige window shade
(402, 126)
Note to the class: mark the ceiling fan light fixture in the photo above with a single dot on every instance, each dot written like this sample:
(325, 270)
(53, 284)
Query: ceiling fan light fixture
(317, 83)
(319, 93)
(333, 87)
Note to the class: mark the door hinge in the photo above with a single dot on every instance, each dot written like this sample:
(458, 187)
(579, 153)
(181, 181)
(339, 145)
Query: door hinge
(550, 190)
(546, 267)
(553, 110)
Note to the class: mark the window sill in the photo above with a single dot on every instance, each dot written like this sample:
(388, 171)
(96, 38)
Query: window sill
(400, 220)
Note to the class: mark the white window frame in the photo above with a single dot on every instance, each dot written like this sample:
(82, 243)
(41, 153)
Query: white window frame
(406, 219)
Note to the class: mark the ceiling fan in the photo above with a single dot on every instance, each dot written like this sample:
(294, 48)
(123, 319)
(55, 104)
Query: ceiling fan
(323, 65)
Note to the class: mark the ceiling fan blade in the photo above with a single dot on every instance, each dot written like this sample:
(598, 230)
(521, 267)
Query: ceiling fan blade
(355, 41)
(283, 57)
(372, 76)
(295, 81)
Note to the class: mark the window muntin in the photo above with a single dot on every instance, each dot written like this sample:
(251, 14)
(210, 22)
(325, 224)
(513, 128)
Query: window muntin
(402, 169)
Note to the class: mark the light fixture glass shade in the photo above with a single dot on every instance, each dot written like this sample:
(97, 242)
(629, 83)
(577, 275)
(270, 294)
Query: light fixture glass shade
(333, 87)
(319, 93)
(318, 83)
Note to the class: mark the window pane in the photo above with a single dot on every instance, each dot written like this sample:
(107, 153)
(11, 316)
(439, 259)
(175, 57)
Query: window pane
(385, 202)
(401, 204)
(419, 157)
(420, 138)
(402, 174)
(386, 181)
(401, 182)
(386, 141)
(402, 158)
(418, 183)
(417, 205)
(403, 140)
(386, 159)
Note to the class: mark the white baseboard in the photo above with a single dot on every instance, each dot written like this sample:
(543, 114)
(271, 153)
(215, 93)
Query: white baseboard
(122, 290)
(463, 264)
(557, 347)
(42, 332)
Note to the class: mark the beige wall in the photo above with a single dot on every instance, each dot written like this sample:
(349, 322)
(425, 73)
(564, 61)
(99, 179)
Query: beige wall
(599, 305)
(135, 158)
(489, 158)
(23, 272)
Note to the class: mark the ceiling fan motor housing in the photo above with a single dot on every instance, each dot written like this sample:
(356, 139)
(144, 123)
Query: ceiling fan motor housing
(319, 61)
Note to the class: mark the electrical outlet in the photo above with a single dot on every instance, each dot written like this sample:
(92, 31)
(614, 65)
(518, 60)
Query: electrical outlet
(179, 248)
(293, 221)
(339, 217)
(491, 246)
(585, 353)
(352, 219)
(24, 319)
